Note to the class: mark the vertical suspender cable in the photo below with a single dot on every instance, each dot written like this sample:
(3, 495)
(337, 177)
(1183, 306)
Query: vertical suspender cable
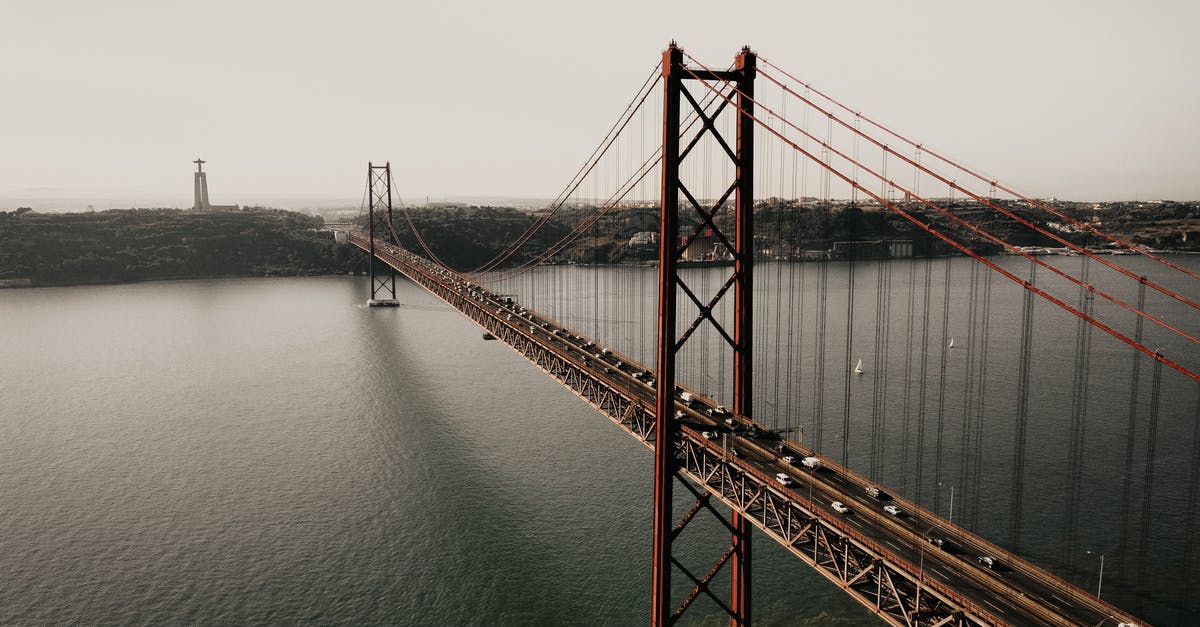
(964, 443)
(906, 427)
(846, 371)
(886, 343)
(941, 401)
(924, 375)
(980, 399)
(1079, 399)
(819, 391)
(1189, 544)
(1148, 488)
(1131, 435)
(1018, 480)
(877, 370)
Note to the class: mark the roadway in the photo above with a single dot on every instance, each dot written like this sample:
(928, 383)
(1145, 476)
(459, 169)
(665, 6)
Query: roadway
(946, 556)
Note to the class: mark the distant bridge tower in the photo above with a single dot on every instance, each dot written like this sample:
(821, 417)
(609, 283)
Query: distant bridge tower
(383, 277)
(200, 202)
(740, 246)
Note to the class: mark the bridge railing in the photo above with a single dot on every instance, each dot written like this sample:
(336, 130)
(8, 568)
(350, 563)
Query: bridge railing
(436, 279)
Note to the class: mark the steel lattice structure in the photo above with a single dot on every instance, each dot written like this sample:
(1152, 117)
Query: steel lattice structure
(887, 583)
(740, 247)
(381, 231)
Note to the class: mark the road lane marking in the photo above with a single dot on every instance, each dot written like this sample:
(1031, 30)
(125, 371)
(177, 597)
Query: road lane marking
(1062, 600)
(993, 606)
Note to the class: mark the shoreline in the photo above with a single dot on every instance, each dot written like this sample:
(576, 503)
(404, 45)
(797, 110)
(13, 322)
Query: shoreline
(29, 284)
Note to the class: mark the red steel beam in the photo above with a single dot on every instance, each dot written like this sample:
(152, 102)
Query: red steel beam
(665, 425)
(743, 313)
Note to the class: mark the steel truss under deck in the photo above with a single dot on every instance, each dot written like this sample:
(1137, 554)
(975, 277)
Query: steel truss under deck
(878, 579)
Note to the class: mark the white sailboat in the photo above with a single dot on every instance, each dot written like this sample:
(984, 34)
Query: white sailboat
(858, 369)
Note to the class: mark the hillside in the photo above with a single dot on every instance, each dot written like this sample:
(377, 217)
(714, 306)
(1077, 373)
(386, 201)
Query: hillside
(148, 244)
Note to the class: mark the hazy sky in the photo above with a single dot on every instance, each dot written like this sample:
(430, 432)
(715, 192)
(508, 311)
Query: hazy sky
(1081, 100)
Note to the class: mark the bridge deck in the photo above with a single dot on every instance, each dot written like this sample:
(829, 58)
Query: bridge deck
(888, 562)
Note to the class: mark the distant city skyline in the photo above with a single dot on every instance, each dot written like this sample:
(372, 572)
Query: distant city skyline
(1080, 101)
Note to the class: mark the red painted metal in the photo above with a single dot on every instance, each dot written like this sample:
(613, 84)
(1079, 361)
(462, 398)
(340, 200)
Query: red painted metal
(669, 340)
(383, 278)
(665, 424)
(743, 312)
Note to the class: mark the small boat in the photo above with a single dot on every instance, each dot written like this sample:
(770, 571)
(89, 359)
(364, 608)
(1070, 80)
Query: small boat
(858, 369)
(951, 343)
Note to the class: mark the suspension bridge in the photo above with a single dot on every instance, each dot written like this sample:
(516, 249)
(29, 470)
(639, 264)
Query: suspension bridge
(952, 400)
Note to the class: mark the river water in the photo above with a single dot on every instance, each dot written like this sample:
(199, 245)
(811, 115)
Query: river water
(272, 451)
(1105, 480)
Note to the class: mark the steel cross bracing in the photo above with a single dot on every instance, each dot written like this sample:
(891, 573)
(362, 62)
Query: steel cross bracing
(892, 582)
(380, 232)
(670, 341)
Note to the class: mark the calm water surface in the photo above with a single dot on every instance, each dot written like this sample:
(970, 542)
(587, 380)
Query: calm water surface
(272, 451)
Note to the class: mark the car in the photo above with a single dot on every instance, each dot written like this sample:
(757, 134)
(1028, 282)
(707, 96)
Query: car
(839, 507)
(987, 561)
(875, 492)
(710, 435)
(783, 479)
(937, 541)
(892, 509)
(789, 459)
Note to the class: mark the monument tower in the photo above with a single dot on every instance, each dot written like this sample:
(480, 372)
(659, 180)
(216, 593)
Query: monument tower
(201, 194)
(200, 202)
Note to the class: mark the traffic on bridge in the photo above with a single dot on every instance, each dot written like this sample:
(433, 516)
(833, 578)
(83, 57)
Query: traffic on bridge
(906, 564)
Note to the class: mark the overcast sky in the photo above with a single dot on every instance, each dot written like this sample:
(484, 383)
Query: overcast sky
(1082, 100)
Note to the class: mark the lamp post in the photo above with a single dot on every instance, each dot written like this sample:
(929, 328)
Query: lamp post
(951, 502)
(1100, 577)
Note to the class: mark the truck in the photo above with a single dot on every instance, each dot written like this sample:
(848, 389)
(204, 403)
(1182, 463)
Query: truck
(687, 398)
(811, 462)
